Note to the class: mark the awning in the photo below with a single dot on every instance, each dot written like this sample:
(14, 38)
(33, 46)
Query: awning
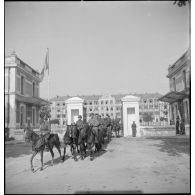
(32, 100)
(173, 96)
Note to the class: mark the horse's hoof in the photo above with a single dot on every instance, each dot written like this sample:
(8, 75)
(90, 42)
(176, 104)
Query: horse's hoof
(32, 170)
(41, 169)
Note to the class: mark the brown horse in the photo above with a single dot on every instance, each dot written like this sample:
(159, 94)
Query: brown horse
(38, 145)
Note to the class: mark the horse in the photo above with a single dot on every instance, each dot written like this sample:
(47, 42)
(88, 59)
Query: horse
(71, 138)
(82, 140)
(38, 145)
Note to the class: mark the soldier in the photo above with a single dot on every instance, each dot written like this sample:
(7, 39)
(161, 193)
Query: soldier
(108, 126)
(94, 123)
(182, 127)
(79, 123)
(45, 130)
(133, 126)
(177, 125)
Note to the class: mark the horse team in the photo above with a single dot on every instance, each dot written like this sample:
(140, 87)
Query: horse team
(79, 140)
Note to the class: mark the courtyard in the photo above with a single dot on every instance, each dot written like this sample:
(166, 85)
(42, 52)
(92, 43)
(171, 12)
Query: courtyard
(126, 165)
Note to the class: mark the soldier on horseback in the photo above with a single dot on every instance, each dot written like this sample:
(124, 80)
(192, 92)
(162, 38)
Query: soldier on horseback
(94, 123)
(45, 129)
(80, 123)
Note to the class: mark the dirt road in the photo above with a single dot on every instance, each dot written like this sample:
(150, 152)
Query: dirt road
(128, 165)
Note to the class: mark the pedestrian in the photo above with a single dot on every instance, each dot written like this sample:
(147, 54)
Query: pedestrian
(134, 131)
(182, 127)
(177, 125)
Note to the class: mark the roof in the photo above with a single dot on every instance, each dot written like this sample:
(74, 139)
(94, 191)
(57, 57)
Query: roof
(116, 96)
(32, 100)
(74, 100)
(14, 55)
(173, 96)
(130, 98)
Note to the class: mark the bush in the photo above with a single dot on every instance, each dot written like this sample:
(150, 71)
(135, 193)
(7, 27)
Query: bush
(9, 138)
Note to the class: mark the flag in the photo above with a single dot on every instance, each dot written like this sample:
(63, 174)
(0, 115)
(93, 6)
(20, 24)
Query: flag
(47, 61)
(42, 73)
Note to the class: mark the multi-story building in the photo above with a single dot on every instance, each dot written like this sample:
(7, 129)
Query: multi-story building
(22, 99)
(179, 83)
(112, 105)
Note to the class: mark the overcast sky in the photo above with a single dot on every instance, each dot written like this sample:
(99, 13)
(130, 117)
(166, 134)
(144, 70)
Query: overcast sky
(98, 47)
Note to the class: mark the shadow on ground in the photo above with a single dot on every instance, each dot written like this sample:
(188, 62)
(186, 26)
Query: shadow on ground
(173, 146)
(110, 192)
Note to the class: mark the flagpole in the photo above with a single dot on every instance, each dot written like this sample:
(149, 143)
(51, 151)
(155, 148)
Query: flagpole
(48, 74)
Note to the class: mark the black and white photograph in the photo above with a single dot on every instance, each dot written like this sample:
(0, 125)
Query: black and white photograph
(97, 97)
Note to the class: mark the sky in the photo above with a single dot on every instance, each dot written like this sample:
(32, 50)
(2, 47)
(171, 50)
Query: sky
(98, 47)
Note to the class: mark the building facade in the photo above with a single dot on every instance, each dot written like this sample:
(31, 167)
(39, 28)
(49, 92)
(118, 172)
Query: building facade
(179, 84)
(22, 99)
(112, 105)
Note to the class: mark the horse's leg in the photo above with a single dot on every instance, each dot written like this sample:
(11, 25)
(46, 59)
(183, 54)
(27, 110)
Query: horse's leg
(74, 151)
(63, 158)
(31, 160)
(41, 153)
(52, 154)
(59, 151)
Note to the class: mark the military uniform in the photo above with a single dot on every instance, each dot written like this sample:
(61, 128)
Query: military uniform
(94, 123)
(45, 129)
(133, 126)
(79, 124)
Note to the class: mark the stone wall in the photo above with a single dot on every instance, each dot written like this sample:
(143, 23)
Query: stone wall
(161, 130)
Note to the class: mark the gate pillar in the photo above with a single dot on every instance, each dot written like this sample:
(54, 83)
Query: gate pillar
(130, 113)
(74, 108)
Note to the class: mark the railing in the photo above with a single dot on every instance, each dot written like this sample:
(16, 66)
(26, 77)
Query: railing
(161, 123)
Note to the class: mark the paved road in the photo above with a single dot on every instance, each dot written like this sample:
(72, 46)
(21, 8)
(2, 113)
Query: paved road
(128, 165)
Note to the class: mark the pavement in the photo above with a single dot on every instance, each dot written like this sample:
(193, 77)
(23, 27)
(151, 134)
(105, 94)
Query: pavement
(127, 165)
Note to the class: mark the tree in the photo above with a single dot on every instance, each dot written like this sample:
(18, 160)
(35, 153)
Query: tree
(147, 117)
(181, 3)
(44, 112)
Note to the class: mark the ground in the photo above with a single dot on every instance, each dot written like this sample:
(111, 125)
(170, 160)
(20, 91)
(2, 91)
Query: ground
(128, 165)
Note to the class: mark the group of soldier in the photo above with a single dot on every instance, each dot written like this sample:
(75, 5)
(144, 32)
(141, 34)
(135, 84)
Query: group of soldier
(101, 127)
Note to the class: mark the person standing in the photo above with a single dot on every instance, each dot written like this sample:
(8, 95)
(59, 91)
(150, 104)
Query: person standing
(182, 127)
(133, 126)
(177, 125)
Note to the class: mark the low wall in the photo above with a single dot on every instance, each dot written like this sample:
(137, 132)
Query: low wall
(18, 134)
(161, 130)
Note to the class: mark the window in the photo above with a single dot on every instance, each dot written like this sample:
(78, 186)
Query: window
(102, 102)
(22, 85)
(90, 103)
(111, 114)
(106, 102)
(145, 101)
(58, 110)
(165, 106)
(90, 109)
(63, 116)
(63, 104)
(111, 108)
(111, 102)
(58, 104)
(150, 101)
(33, 89)
(184, 78)
(58, 115)
(107, 109)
